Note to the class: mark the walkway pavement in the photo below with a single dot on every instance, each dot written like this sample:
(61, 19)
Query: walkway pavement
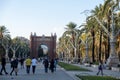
(60, 74)
(93, 71)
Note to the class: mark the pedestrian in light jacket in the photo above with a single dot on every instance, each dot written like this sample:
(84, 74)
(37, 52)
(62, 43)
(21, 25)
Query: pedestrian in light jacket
(34, 64)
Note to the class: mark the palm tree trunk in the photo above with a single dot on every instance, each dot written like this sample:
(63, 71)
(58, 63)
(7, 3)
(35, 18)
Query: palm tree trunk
(78, 51)
(108, 52)
(73, 42)
(100, 45)
(93, 47)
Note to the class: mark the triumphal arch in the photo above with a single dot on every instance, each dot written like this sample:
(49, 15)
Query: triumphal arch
(41, 46)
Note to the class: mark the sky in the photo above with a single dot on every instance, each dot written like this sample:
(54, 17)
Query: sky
(21, 17)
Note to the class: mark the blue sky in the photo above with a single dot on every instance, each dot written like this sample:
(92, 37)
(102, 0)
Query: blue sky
(21, 17)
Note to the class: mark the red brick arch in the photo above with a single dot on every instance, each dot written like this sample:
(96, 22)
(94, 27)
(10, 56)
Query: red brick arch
(49, 41)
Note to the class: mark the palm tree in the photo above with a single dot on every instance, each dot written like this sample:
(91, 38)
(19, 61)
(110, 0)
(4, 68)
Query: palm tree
(4, 34)
(67, 46)
(24, 47)
(107, 12)
(117, 30)
(61, 48)
(79, 33)
(91, 27)
(98, 12)
(70, 31)
(6, 45)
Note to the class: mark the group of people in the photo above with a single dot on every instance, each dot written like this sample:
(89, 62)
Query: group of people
(47, 64)
(50, 65)
(14, 65)
(28, 63)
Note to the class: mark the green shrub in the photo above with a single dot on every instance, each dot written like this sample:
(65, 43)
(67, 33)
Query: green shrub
(71, 67)
(96, 77)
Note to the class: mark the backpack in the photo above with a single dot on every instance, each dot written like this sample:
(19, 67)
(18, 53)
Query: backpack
(12, 64)
(100, 67)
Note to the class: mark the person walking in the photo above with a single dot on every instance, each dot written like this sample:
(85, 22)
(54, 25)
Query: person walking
(52, 65)
(34, 63)
(46, 64)
(3, 64)
(100, 68)
(14, 65)
(22, 63)
(28, 64)
(55, 64)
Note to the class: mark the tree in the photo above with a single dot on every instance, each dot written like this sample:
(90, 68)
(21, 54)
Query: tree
(70, 31)
(6, 45)
(112, 60)
(91, 27)
(24, 49)
(4, 34)
(107, 12)
(15, 45)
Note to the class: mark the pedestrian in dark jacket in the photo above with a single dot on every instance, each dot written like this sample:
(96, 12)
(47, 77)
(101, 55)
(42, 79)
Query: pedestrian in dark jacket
(3, 64)
(52, 65)
(22, 63)
(46, 64)
(14, 65)
(100, 68)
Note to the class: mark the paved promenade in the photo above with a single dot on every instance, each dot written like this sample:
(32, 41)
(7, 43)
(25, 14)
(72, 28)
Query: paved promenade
(60, 74)
(93, 72)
